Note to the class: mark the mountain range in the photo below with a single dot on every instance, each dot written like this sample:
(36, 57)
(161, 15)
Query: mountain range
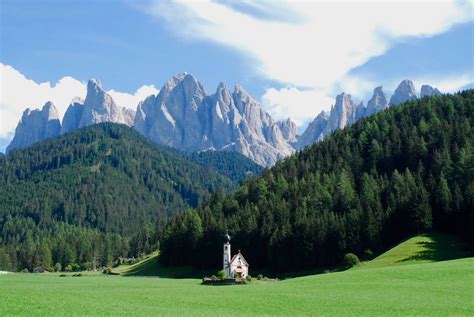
(184, 116)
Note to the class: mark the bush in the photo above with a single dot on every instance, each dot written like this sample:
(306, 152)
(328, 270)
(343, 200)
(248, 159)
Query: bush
(221, 275)
(259, 277)
(58, 267)
(76, 267)
(68, 268)
(88, 266)
(107, 270)
(249, 278)
(350, 260)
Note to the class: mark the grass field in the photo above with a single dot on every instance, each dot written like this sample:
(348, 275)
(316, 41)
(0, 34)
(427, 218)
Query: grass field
(150, 267)
(425, 248)
(428, 289)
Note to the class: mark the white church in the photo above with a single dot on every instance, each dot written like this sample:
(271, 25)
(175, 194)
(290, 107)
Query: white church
(235, 266)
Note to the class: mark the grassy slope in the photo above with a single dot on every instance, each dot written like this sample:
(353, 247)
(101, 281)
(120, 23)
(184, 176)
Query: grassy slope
(150, 267)
(443, 288)
(425, 248)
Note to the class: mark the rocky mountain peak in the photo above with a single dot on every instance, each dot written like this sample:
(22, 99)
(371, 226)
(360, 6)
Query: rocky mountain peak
(73, 116)
(99, 106)
(428, 91)
(170, 84)
(314, 131)
(404, 92)
(378, 102)
(96, 96)
(239, 89)
(344, 111)
(288, 130)
(94, 85)
(183, 116)
(221, 86)
(49, 111)
(36, 125)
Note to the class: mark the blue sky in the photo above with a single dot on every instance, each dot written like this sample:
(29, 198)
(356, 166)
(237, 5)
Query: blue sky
(293, 57)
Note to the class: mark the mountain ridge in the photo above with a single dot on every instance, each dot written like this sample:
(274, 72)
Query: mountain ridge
(184, 116)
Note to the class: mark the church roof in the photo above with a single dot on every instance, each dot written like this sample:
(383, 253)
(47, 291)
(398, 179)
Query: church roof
(242, 257)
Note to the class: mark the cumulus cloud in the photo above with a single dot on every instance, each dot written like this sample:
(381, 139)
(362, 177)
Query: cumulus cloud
(291, 100)
(314, 47)
(18, 93)
(126, 100)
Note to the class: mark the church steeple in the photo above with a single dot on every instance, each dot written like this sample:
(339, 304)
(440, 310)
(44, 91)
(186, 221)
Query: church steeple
(227, 254)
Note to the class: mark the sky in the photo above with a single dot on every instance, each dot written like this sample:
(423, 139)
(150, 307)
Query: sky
(294, 57)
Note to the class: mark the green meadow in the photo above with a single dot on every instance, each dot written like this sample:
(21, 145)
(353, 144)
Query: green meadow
(407, 280)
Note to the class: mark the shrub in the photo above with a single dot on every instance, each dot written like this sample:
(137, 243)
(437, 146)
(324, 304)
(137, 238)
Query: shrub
(25, 271)
(249, 278)
(107, 270)
(221, 275)
(76, 267)
(88, 266)
(68, 268)
(259, 277)
(350, 259)
(58, 267)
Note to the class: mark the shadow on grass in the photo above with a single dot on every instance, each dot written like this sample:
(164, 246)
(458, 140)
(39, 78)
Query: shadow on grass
(441, 248)
(152, 268)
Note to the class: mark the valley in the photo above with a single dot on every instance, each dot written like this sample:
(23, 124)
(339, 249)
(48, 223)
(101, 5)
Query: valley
(382, 288)
(236, 158)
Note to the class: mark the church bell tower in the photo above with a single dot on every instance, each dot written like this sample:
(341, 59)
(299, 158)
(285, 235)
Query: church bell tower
(227, 254)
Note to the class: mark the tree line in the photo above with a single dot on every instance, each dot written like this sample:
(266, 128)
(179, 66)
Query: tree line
(400, 172)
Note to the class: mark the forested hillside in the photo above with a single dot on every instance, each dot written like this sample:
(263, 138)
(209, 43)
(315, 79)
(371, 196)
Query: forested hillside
(92, 195)
(231, 164)
(403, 171)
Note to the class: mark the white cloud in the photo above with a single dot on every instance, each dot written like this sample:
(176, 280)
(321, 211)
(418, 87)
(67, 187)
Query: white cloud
(447, 83)
(131, 101)
(321, 44)
(18, 93)
(301, 104)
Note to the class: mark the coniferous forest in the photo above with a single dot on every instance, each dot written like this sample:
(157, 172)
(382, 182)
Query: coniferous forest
(403, 171)
(86, 198)
(231, 164)
(90, 196)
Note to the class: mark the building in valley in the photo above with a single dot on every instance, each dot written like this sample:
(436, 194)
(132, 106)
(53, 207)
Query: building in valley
(235, 266)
